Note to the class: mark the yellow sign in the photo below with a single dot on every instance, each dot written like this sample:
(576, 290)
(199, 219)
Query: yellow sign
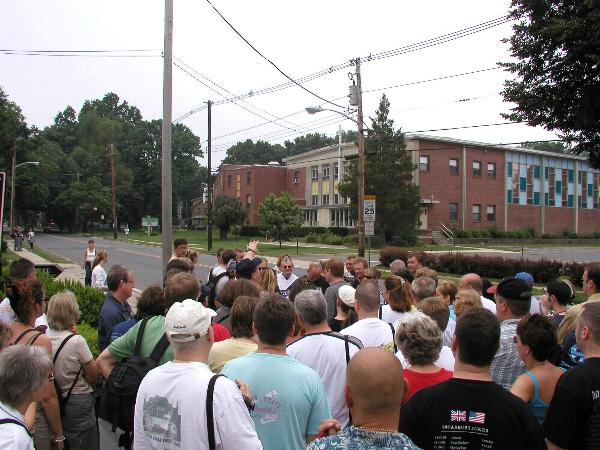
(369, 197)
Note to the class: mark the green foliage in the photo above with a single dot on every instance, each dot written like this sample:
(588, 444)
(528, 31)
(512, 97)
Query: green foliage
(528, 233)
(555, 44)
(331, 239)
(350, 240)
(312, 238)
(388, 175)
(90, 300)
(554, 147)
(90, 334)
(389, 254)
(281, 214)
(228, 212)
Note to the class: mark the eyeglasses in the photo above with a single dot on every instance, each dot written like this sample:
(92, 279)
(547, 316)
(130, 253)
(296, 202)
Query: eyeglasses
(287, 267)
(50, 376)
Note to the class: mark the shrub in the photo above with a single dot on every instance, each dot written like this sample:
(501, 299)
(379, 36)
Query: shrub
(4, 246)
(350, 240)
(389, 254)
(90, 334)
(331, 239)
(252, 230)
(312, 238)
(574, 271)
(90, 300)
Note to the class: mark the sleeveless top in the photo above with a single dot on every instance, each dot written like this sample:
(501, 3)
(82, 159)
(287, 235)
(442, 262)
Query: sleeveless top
(538, 407)
(90, 255)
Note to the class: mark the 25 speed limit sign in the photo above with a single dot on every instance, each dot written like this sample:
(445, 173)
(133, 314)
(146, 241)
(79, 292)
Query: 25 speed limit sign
(369, 208)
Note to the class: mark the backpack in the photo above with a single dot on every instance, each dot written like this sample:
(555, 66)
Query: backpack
(62, 402)
(209, 290)
(117, 404)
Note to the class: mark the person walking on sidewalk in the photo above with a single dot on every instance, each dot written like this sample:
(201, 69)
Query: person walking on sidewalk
(89, 254)
(31, 238)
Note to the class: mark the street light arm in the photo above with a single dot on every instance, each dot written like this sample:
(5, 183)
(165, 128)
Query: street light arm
(318, 109)
(35, 163)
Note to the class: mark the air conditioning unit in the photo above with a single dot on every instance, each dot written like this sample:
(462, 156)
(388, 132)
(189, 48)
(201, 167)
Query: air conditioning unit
(295, 181)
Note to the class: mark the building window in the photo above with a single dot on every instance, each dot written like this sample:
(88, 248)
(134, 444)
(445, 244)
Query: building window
(424, 163)
(228, 181)
(453, 165)
(336, 171)
(314, 172)
(491, 213)
(476, 168)
(248, 178)
(314, 200)
(336, 199)
(491, 170)
(476, 213)
(453, 212)
(325, 200)
(325, 168)
(296, 177)
(248, 201)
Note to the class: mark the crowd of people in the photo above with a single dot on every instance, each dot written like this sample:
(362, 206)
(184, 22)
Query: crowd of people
(338, 358)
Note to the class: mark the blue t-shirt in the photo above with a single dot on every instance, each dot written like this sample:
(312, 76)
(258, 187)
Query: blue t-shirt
(290, 398)
(122, 328)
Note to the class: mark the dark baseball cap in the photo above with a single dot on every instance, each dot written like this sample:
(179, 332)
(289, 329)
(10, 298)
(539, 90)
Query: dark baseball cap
(560, 289)
(246, 266)
(512, 288)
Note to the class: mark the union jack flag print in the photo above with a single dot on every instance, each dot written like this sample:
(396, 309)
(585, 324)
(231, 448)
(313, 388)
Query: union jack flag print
(476, 417)
(458, 416)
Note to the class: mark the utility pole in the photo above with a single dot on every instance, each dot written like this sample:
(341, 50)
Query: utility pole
(209, 181)
(114, 189)
(166, 182)
(361, 166)
(12, 184)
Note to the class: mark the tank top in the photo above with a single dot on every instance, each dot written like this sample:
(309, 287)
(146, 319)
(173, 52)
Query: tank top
(538, 407)
(90, 255)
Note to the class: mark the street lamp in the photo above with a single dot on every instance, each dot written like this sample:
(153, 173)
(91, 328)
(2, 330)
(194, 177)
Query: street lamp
(361, 170)
(12, 188)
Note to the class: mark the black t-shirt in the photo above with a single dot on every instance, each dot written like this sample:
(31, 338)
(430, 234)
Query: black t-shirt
(464, 414)
(335, 324)
(573, 419)
(571, 355)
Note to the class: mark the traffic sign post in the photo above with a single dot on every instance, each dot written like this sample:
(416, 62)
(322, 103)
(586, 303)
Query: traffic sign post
(369, 216)
(149, 221)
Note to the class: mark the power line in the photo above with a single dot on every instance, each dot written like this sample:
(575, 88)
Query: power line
(268, 60)
(79, 55)
(139, 50)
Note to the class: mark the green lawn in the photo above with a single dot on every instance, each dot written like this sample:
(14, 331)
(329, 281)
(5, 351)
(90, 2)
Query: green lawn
(48, 255)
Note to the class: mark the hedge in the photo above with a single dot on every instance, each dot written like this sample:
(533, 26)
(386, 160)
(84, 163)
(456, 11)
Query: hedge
(543, 270)
(260, 230)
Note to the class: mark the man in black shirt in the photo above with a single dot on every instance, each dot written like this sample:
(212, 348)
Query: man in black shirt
(470, 411)
(573, 419)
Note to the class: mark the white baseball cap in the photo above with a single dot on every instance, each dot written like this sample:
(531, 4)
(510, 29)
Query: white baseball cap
(346, 294)
(188, 320)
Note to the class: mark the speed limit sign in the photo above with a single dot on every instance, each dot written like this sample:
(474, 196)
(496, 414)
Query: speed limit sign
(369, 208)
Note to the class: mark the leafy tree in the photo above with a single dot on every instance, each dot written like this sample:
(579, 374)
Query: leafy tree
(227, 212)
(555, 147)
(12, 126)
(81, 197)
(388, 175)
(558, 70)
(280, 213)
(250, 152)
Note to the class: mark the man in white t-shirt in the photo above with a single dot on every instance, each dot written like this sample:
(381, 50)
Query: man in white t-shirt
(285, 277)
(323, 350)
(170, 409)
(472, 280)
(369, 329)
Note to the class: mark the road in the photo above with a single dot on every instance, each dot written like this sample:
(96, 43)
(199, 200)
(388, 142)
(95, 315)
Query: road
(143, 260)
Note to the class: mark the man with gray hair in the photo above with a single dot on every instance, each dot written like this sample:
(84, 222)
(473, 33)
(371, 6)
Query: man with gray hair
(169, 409)
(323, 350)
(369, 329)
(424, 287)
(24, 372)
(397, 265)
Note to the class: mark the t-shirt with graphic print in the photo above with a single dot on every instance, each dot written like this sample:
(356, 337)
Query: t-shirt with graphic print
(290, 398)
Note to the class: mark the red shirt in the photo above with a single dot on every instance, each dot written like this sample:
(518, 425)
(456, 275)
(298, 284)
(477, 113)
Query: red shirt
(418, 381)
(220, 332)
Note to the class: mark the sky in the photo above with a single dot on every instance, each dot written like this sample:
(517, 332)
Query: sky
(301, 38)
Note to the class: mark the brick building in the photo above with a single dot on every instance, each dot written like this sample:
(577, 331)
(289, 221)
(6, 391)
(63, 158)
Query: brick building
(463, 185)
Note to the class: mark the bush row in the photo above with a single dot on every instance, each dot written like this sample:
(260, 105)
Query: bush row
(528, 233)
(542, 271)
(260, 230)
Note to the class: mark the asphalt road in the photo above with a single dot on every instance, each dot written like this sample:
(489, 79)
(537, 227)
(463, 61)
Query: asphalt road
(143, 260)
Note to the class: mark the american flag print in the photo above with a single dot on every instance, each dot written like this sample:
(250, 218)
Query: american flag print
(476, 417)
(458, 416)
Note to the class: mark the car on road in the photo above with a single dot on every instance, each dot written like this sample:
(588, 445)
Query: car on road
(51, 227)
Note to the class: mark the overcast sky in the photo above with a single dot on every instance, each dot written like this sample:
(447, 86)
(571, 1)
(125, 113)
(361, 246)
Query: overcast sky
(300, 37)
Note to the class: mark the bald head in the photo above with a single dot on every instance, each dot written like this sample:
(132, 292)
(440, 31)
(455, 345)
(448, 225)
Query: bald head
(367, 294)
(471, 280)
(375, 382)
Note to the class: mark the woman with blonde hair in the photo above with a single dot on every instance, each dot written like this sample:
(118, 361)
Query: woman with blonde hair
(98, 272)
(465, 300)
(268, 279)
(74, 371)
(27, 301)
(397, 295)
(447, 290)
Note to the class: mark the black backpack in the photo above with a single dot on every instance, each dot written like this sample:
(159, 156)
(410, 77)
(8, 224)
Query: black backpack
(117, 404)
(209, 290)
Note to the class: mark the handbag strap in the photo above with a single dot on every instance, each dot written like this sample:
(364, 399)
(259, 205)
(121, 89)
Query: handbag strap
(66, 399)
(393, 338)
(60, 347)
(16, 341)
(210, 425)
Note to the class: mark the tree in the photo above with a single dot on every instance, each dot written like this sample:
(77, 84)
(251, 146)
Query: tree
(86, 200)
(555, 147)
(249, 152)
(280, 213)
(558, 70)
(388, 175)
(227, 212)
